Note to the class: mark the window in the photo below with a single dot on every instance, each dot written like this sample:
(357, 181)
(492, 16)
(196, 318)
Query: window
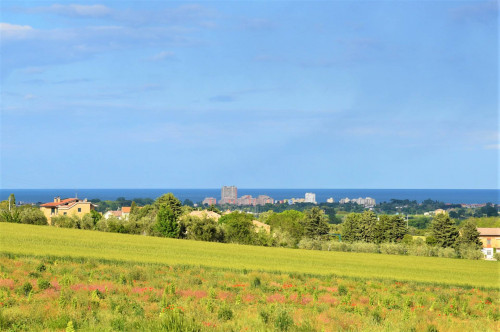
(79, 209)
(52, 211)
(65, 213)
(488, 242)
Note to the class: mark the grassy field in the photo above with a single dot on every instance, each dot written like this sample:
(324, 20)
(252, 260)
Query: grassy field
(74, 280)
(47, 293)
(50, 241)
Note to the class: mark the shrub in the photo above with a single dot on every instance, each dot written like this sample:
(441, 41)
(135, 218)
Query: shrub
(65, 222)
(447, 252)
(310, 244)
(43, 284)
(364, 247)
(470, 252)
(26, 288)
(41, 267)
(283, 321)
(421, 250)
(342, 290)
(393, 249)
(225, 313)
(497, 256)
(256, 282)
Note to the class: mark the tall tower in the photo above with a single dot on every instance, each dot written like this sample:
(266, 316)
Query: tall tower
(229, 194)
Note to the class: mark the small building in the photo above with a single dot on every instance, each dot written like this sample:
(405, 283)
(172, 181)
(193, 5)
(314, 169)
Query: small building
(209, 201)
(68, 206)
(116, 214)
(490, 237)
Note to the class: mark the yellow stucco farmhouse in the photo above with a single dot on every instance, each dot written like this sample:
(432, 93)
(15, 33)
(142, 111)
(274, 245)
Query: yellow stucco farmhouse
(68, 206)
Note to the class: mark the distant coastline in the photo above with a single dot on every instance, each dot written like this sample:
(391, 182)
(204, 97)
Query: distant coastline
(466, 196)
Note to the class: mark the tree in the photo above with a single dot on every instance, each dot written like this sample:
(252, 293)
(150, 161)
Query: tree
(350, 228)
(133, 208)
(315, 223)
(188, 202)
(289, 222)
(397, 229)
(32, 215)
(166, 222)
(205, 229)
(171, 201)
(469, 236)
(239, 227)
(12, 201)
(213, 208)
(444, 230)
(368, 226)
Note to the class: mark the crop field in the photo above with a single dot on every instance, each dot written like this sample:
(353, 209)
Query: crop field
(66, 279)
(50, 241)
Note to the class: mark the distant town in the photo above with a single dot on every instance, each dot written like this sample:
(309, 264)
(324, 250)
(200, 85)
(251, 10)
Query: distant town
(229, 195)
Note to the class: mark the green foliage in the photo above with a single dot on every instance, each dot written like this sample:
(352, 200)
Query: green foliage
(444, 230)
(397, 229)
(469, 236)
(290, 222)
(43, 284)
(225, 313)
(169, 200)
(213, 208)
(166, 222)
(205, 229)
(238, 227)
(32, 215)
(12, 216)
(26, 288)
(315, 223)
(283, 321)
(65, 221)
(431, 240)
(350, 227)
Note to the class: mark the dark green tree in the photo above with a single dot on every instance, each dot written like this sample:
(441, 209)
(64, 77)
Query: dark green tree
(396, 229)
(166, 222)
(213, 208)
(444, 230)
(368, 226)
(315, 223)
(171, 201)
(188, 202)
(133, 208)
(96, 216)
(469, 236)
(350, 228)
(12, 201)
(238, 227)
(205, 229)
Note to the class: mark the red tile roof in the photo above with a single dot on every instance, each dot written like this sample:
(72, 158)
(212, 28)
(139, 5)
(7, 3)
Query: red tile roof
(489, 231)
(62, 202)
(126, 209)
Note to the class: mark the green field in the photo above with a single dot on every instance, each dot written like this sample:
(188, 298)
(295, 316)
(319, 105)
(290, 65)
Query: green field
(50, 241)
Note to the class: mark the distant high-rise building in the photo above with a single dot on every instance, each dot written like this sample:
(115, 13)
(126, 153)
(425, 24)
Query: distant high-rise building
(310, 198)
(229, 195)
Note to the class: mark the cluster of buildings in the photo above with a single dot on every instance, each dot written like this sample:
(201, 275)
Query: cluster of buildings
(308, 198)
(366, 202)
(229, 195)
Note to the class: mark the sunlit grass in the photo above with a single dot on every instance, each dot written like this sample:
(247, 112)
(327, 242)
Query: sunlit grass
(43, 241)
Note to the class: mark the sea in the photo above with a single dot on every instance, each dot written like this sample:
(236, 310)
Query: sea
(455, 196)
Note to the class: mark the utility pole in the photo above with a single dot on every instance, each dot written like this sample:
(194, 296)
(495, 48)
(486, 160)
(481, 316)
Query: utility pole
(9, 203)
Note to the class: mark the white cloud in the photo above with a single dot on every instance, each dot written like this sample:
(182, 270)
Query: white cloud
(13, 31)
(29, 96)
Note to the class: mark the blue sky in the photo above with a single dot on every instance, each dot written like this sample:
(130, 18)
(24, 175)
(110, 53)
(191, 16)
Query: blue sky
(372, 94)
